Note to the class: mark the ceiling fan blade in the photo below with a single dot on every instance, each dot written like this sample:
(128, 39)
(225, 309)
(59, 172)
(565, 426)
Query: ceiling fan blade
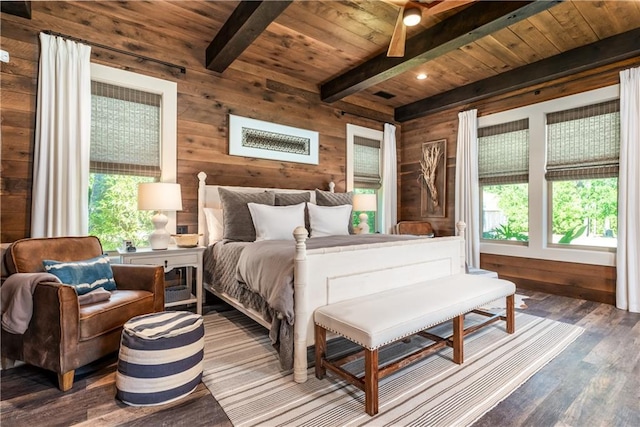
(398, 38)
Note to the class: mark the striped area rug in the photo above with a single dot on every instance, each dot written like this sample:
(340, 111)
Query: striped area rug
(242, 373)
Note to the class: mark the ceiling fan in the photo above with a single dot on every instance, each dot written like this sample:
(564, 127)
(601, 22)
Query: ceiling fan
(411, 13)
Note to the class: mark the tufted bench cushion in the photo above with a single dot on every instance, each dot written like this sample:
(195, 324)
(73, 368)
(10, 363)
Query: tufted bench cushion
(160, 358)
(375, 320)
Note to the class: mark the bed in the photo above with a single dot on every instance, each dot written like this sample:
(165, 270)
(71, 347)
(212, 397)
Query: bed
(325, 275)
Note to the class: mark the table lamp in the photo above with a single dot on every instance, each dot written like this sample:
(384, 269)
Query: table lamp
(159, 197)
(364, 203)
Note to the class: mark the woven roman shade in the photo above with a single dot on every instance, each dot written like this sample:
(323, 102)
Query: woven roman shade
(584, 142)
(125, 131)
(366, 163)
(503, 153)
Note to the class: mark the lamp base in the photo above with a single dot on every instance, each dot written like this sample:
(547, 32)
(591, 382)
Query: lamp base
(160, 237)
(363, 225)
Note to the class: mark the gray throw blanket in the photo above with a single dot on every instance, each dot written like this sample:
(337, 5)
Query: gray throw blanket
(16, 299)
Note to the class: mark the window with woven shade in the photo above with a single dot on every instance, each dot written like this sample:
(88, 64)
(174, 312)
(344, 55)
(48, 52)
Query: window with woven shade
(584, 142)
(503, 173)
(366, 163)
(125, 131)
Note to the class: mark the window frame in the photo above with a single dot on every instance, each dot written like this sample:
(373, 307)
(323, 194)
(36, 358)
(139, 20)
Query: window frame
(168, 90)
(540, 246)
(352, 131)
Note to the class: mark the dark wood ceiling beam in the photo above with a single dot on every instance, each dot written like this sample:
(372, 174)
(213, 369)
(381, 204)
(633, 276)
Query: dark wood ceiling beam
(17, 8)
(474, 22)
(246, 23)
(607, 51)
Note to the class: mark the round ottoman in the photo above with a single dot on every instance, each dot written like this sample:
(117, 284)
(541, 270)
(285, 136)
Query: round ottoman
(160, 358)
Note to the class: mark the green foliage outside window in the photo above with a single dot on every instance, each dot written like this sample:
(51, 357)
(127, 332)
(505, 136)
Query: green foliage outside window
(113, 210)
(513, 204)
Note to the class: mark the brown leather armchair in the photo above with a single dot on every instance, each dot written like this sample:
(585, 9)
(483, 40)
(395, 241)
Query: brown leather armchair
(62, 335)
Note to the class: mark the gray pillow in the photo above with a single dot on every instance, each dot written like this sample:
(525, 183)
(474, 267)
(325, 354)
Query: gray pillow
(238, 224)
(288, 199)
(327, 198)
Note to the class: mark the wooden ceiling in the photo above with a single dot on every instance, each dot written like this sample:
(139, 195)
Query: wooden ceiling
(339, 48)
(335, 51)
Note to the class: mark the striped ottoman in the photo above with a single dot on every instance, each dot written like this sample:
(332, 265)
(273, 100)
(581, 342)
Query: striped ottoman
(160, 358)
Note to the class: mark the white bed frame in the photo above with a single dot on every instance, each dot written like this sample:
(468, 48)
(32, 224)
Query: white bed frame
(328, 275)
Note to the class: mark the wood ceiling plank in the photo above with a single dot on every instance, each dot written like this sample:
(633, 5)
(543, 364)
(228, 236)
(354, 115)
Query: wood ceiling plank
(624, 16)
(597, 16)
(609, 50)
(470, 24)
(546, 23)
(534, 39)
(573, 23)
(245, 24)
(498, 50)
(478, 52)
(513, 45)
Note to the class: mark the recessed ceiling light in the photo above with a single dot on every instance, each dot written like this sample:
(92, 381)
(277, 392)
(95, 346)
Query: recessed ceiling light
(421, 76)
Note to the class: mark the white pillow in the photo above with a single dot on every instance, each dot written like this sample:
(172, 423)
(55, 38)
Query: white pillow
(276, 222)
(215, 227)
(329, 220)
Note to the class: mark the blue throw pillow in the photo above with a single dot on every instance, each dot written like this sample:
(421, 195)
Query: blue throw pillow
(85, 275)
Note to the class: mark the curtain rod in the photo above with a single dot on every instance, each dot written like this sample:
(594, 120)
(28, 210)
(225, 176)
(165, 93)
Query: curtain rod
(182, 69)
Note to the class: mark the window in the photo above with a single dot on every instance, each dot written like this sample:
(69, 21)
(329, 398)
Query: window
(568, 203)
(583, 148)
(503, 172)
(363, 168)
(132, 141)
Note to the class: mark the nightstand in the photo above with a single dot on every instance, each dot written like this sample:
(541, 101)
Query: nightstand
(171, 258)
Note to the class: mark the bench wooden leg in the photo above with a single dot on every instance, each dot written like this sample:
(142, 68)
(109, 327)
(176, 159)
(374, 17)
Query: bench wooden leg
(458, 339)
(371, 381)
(511, 314)
(65, 380)
(321, 350)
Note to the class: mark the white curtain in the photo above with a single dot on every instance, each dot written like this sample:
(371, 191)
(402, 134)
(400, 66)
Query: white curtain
(63, 124)
(628, 253)
(467, 200)
(389, 179)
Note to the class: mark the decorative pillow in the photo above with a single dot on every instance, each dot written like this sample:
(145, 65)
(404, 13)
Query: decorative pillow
(329, 220)
(327, 198)
(237, 218)
(85, 275)
(288, 199)
(215, 229)
(276, 222)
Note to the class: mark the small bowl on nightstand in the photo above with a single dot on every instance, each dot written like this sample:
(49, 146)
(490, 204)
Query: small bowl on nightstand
(186, 240)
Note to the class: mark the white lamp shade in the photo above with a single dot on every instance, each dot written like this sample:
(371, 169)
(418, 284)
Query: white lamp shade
(365, 202)
(159, 196)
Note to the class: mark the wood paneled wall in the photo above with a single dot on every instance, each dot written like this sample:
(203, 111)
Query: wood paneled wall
(205, 99)
(595, 283)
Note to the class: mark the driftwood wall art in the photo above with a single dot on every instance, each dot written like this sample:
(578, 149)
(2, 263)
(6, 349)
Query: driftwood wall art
(433, 177)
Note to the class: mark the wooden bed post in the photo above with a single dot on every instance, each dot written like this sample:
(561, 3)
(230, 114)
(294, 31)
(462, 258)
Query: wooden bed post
(300, 303)
(202, 225)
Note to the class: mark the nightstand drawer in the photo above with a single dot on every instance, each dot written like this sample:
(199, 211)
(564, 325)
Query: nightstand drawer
(168, 262)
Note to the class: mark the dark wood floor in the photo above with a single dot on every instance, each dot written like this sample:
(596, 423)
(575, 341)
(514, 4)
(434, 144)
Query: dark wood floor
(594, 382)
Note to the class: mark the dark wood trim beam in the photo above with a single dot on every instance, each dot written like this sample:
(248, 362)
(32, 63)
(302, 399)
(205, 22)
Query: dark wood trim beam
(246, 23)
(613, 49)
(17, 8)
(474, 22)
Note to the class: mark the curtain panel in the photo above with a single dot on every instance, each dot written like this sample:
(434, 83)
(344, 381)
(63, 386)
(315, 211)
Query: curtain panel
(467, 190)
(389, 179)
(628, 253)
(62, 141)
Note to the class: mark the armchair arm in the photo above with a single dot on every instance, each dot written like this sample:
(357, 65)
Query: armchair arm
(143, 278)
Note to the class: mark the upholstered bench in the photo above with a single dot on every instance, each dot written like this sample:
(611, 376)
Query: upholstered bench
(379, 319)
(160, 358)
